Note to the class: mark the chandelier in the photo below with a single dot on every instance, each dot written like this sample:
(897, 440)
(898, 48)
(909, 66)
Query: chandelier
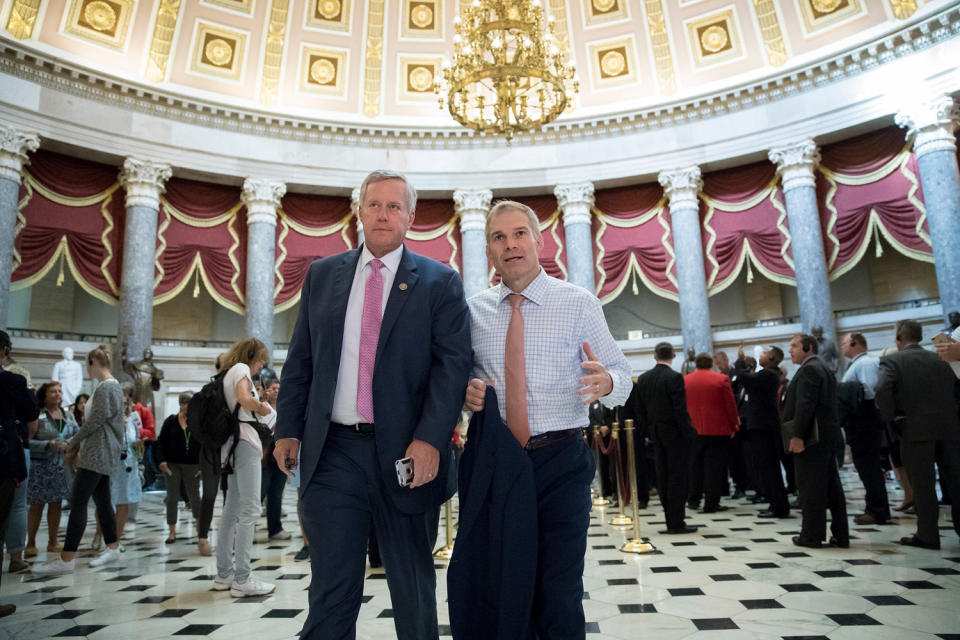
(508, 74)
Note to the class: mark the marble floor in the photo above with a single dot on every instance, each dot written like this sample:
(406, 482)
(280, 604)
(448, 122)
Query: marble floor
(738, 576)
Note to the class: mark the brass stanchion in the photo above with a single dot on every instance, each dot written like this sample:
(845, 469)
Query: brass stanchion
(637, 544)
(620, 520)
(446, 551)
(598, 499)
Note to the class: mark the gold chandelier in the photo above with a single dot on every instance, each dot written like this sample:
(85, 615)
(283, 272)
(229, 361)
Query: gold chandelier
(507, 75)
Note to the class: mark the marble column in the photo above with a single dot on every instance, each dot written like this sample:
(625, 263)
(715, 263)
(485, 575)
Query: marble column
(932, 128)
(143, 181)
(261, 197)
(472, 206)
(355, 208)
(682, 186)
(14, 146)
(796, 164)
(575, 201)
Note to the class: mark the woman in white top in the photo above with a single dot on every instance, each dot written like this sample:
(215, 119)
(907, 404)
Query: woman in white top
(241, 508)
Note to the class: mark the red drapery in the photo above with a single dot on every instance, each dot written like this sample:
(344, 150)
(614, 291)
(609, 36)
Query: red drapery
(70, 216)
(201, 234)
(632, 239)
(309, 227)
(744, 221)
(436, 232)
(871, 185)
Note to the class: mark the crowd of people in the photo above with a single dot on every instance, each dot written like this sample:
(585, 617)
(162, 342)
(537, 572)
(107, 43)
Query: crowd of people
(898, 414)
(387, 352)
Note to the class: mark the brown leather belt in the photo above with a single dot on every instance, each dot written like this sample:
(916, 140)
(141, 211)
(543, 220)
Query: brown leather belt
(552, 437)
(365, 428)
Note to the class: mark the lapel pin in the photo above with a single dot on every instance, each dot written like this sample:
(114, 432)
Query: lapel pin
(403, 286)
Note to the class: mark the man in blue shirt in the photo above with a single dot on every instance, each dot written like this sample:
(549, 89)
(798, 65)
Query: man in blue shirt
(545, 346)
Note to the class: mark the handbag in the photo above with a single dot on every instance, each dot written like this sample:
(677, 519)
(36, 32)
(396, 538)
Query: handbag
(788, 432)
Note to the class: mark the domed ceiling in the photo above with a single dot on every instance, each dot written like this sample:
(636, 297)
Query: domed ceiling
(359, 61)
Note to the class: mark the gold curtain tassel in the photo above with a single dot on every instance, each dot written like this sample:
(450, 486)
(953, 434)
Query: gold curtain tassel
(63, 257)
(876, 234)
(636, 290)
(749, 272)
(196, 282)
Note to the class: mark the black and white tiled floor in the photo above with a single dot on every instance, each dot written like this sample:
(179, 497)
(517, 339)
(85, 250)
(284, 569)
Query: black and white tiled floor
(736, 577)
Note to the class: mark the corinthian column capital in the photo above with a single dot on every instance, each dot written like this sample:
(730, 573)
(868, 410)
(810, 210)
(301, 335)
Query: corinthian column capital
(931, 125)
(144, 181)
(14, 147)
(575, 200)
(796, 163)
(682, 186)
(472, 206)
(262, 197)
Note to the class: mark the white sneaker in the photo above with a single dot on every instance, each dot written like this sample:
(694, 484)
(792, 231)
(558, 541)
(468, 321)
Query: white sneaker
(55, 567)
(252, 587)
(222, 584)
(281, 535)
(109, 555)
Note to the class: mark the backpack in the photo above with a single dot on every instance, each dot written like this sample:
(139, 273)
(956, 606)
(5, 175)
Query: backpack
(209, 418)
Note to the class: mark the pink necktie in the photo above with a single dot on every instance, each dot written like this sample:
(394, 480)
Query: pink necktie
(369, 335)
(515, 374)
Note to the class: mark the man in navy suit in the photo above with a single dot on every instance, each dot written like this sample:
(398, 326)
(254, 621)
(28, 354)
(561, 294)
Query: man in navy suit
(376, 371)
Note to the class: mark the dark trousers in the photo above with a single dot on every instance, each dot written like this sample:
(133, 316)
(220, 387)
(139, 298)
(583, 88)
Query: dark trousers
(919, 458)
(87, 483)
(562, 472)
(338, 503)
(865, 450)
(210, 481)
(272, 483)
(673, 468)
(735, 462)
(762, 451)
(818, 483)
(707, 465)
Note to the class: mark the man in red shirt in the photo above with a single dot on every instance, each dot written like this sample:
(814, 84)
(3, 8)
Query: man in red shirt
(713, 412)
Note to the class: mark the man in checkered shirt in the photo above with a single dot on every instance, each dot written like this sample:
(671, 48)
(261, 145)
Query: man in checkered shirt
(567, 359)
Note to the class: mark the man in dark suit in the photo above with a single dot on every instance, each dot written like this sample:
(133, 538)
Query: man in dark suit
(659, 403)
(761, 427)
(809, 415)
(713, 412)
(916, 392)
(376, 371)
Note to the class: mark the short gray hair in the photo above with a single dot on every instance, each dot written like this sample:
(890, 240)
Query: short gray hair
(382, 175)
(513, 205)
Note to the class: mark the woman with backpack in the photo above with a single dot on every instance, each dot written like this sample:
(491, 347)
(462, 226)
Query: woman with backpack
(96, 448)
(240, 459)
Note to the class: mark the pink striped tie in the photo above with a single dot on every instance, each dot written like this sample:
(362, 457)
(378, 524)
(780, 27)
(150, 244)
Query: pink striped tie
(369, 335)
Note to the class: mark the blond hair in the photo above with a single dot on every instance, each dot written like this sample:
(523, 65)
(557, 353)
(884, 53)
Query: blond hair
(100, 355)
(246, 351)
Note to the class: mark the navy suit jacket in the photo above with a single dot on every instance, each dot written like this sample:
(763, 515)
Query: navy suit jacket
(493, 571)
(420, 374)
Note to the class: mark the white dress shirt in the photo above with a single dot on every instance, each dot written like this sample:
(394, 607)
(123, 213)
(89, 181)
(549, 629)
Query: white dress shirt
(345, 397)
(866, 371)
(558, 317)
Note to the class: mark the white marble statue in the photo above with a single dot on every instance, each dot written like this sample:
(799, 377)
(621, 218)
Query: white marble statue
(69, 373)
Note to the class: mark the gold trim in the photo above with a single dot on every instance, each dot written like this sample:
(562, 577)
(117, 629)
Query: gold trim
(600, 252)
(202, 223)
(834, 216)
(63, 250)
(232, 254)
(284, 232)
(273, 52)
(915, 201)
(373, 66)
(903, 9)
(669, 247)
(709, 248)
(311, 231)
(161, 246)
(163, 32)
(68, 201)
(552, 223)
(23, 18)
(769, 23)
(660, 41)
(877, 174)
(785, 231)
(21, 224)
(634, 271)
(105, 239)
